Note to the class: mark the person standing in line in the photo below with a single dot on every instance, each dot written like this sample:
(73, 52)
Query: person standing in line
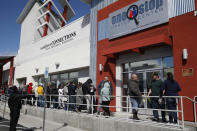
(15, 105)
(92, 91)
(66, 97)
(105, 96)
(171, 87)
(33, 95)
(40, 91)
(101, 85)
(79, 98)
(54, 94)
(29, 91)
(60, 97)
(135, 95)
(72, 98)
(36, 95)
(86, 89)
(154, 90)
(48, 97)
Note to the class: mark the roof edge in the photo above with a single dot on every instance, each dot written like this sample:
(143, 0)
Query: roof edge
(87, 1)
(26, 10)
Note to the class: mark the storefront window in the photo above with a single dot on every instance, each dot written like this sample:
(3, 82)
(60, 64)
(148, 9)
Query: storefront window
(54, 78)
(73, 75)
(147, 64)
(125, 67)
(168, 62)
(64, 78)
(41, 80)
(168, 66)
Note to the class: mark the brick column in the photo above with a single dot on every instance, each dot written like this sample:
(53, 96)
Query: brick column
(64, 14)
(11, 71)
(47, 19)
(1, 75)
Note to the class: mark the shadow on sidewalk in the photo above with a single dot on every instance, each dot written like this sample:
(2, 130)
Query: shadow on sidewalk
(5, 125)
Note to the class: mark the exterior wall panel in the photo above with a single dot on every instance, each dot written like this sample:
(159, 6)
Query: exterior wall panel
(180, 7)
(96, 5)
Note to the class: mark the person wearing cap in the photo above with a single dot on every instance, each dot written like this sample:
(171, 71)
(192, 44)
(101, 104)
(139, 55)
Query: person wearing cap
(154, 90)
(15, 105)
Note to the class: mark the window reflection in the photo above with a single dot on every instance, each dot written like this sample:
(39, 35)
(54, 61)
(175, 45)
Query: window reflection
(168, 62)
(147, 64)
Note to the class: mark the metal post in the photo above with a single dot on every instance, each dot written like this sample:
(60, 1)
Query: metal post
(44, 115)
(50, 101)
(68, 103)
(4, 106)
(36, 101)
(92, 105)
(195, 110)
(177, 109)
(182, 112)
(127, 104)
(26, 102)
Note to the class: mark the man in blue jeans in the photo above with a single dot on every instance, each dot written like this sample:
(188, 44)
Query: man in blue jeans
(154, 90)
(100, 86)
(135, 94)
(171, 88)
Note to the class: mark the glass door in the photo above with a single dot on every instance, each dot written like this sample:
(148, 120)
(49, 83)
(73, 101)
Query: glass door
(144, 78)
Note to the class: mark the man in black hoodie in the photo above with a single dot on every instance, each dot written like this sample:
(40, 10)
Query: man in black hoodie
(86, 87)
(15, 104)
(72, 98)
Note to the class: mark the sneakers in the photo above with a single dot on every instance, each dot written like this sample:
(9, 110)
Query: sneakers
(155, 119)
(135, 117)
(164, 120)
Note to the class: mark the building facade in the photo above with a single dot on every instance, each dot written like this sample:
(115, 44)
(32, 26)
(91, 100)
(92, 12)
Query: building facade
(144, 36)
(63, 48)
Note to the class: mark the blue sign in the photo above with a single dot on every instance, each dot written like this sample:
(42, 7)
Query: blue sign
(138, 16)
(46, 74)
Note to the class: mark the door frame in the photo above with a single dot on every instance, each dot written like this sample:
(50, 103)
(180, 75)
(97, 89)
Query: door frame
(144, 71)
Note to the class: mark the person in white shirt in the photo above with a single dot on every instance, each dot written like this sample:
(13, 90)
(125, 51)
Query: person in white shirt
(36, 94)
(61, 95)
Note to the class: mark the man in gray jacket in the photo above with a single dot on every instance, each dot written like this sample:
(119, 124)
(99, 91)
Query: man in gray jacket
(135, 94)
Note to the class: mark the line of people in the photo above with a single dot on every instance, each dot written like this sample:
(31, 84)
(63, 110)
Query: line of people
(72, 96)
(157, 90)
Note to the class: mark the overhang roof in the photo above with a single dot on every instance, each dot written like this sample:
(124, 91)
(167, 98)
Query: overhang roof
(5, 59)
(26, 10)
(131, 45)
(87, 1)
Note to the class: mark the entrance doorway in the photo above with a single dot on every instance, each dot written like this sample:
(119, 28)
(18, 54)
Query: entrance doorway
(144, 71)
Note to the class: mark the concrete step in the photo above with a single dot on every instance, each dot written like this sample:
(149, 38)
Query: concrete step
(117, 122)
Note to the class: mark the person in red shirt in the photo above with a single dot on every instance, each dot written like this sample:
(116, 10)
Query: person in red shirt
(29, 91)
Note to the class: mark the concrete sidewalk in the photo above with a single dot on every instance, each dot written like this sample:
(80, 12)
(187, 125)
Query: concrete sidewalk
(35, 123)
(31, 117)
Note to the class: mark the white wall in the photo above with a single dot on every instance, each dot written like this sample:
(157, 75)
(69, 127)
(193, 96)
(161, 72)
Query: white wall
(74, 54)
(28, 27)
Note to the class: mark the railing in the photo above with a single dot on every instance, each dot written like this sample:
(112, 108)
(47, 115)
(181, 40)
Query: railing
(91, 104)
(195, 102)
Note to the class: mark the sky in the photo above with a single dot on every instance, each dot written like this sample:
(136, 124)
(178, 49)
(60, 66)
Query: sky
(10, 30)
